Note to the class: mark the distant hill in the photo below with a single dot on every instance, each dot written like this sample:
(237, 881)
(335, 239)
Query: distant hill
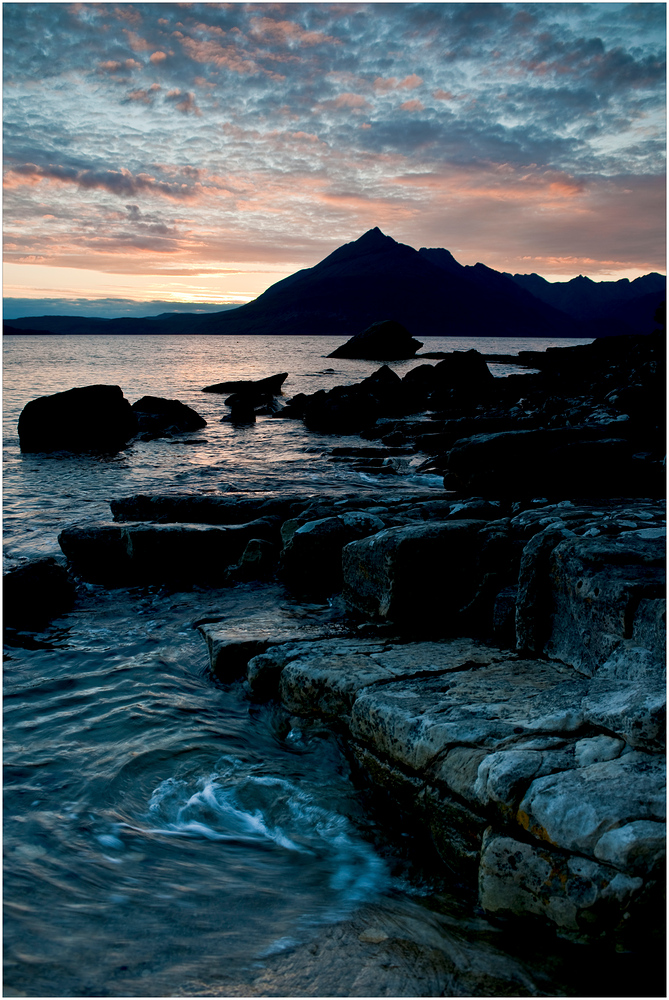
(375, 278)
(605, 307)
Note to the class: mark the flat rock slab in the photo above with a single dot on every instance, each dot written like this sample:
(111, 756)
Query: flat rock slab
(414, 722)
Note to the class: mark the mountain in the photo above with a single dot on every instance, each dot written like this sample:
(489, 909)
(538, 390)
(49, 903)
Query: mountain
(371, 279)
(604, 307)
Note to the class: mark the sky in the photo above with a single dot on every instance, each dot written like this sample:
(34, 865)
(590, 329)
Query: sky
(173, 155)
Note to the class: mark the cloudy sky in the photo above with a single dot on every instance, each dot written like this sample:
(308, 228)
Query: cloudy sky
(198, 152)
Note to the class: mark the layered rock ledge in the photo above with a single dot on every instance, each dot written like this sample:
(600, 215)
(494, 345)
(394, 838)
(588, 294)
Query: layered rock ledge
(537, 768)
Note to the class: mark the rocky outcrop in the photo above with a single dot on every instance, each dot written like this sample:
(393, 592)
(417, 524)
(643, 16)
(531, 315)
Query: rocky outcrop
(385, 340)
(93, 418)
(540, 771)
(157, 417)
(552, 816)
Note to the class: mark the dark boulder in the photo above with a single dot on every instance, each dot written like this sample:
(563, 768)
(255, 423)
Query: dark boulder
(384, 340)
(461, 374)
(157, 416)
(35, 593)
(263, 386)
(92, 418)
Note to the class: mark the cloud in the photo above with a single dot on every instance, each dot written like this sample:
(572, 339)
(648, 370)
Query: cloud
(117, 182)
(490, 127)
(412, 106)
(136, 43)
(287, 33)
(183, 102)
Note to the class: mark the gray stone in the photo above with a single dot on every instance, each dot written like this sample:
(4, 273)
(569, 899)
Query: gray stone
(628, 696)
(427, 657)
(264, 671)
(327, 686)
(637, 846)
(596, 749)
(573, 809)
(533, 601)
(413, 722)
(597, 584)
(418, 573)
(576, 894)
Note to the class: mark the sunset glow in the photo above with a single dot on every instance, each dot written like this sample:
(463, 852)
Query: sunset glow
(199, 152)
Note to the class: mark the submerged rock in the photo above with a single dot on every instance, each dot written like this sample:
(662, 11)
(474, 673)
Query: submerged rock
(93, 418)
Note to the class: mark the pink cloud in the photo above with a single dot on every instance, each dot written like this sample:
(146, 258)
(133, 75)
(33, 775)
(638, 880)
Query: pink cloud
(157, 57)
(136, 43)
(444, 95)
(266, 29)
(353, 101)
(414, 105)
(384, 84)
(410, 82)
(212, 52)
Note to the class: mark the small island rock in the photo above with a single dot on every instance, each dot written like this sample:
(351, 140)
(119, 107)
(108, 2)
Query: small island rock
(386, 340)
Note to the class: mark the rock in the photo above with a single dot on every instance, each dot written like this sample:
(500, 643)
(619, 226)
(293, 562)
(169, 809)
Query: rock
(421, 573)
(597, 585)
(35, 593)
(312, 559)
(193, 509)
(628, 696)
(349, 409)
(638, 846)
(578, 461)
(270, 386)
(385, 339)
(461, 374)
(472, 742)
(534, 596)
(258, 561)
(157, 416)
(579, 896)
(413, 723)
(574, 809)
(93, 418)
(178, 554)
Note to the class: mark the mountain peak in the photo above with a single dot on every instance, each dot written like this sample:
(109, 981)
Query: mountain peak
(374, 238)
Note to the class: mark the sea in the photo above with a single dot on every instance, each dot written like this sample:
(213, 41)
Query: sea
(164, 835)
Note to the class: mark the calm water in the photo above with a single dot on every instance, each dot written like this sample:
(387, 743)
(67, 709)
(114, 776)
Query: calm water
(161, 831)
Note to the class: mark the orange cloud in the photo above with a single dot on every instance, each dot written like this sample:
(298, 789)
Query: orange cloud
(157, 57)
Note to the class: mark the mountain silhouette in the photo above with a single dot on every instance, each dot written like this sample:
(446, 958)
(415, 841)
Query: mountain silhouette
(376, 278)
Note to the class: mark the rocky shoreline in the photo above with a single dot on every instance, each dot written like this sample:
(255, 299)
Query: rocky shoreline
(498, 673)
